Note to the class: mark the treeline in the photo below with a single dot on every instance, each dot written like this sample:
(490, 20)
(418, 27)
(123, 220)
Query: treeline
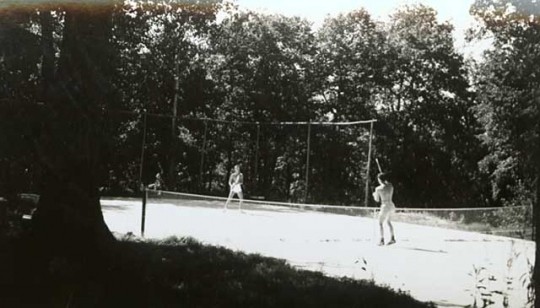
(453, 132)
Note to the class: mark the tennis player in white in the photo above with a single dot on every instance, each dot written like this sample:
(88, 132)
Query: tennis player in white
(157, 184)
(383, 193)
(235, 183)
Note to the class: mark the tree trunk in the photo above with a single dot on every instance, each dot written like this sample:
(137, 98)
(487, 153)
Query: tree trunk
(69, 222)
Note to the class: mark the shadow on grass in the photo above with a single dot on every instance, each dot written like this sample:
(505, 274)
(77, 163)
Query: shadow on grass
(184, 273)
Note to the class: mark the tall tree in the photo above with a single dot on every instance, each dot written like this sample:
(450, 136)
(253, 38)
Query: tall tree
(71, 140)
(424, 99)
(19, 81)
(262, 67)
(349, 67)
(161, 51)
(349, 61)
(509, 105)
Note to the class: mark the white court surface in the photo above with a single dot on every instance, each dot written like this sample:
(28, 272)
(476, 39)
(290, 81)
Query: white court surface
(432, 264)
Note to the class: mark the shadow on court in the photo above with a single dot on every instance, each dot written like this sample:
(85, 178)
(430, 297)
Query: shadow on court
(114, 208)
(397, 246)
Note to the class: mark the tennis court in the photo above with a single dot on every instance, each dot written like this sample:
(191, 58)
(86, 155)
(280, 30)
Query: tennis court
(432, 264)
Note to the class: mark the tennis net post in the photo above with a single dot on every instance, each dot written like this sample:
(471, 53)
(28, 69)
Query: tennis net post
(143, 216)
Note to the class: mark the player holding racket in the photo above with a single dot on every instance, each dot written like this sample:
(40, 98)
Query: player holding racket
(383, 193)
(235, 183)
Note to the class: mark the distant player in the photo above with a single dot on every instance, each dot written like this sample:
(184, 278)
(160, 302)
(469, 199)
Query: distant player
(383, 193)
(157, 183)
(235, 183)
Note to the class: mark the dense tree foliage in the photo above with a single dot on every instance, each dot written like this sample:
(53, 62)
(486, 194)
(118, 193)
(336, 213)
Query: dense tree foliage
(508, 106)
(425, 101)
(99, 98)
(440, 133)
(508, 88)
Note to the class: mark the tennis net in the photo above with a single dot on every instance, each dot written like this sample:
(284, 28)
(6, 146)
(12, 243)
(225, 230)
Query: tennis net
(505, 221)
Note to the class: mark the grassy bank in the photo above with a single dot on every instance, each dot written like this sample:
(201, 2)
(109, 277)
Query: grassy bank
(181, 273)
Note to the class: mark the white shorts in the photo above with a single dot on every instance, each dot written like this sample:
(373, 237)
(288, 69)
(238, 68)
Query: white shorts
(236, 188)
(387, 209)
